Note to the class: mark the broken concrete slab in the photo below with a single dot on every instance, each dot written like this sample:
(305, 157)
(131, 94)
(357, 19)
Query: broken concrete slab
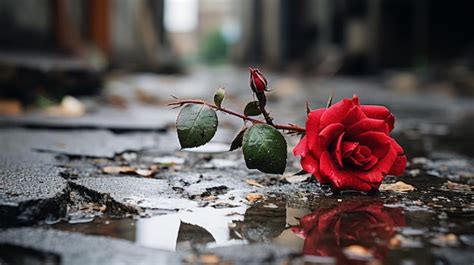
(75, 248)
(31, 187)
(90, 143)
(134, 118)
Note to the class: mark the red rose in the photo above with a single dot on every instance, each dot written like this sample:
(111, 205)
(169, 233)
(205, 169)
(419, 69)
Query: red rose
(327, 231)
(349, 147)
(258, 82)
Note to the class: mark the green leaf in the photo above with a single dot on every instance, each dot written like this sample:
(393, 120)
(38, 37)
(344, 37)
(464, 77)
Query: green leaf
(196, 125)
(265, 149)
(237, 142)
(219, 96)
(252, 109)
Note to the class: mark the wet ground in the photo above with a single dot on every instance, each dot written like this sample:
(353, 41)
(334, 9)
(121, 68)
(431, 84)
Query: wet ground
(113, 187)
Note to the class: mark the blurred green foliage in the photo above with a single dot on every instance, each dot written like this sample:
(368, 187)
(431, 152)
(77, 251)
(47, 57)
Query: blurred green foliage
(214, 49)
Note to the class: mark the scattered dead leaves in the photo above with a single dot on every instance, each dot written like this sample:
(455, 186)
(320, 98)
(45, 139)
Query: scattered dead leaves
(253, 197)
(129, 170)
(445, 240)
(453, 186)
(253, 182)
(93, 207)
(398, 186)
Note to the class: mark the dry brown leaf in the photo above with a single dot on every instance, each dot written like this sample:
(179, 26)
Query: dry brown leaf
(253, 182)
(209, 259)
(144, 172)
(253, 197)
(69, 107)
(398, 186)
(128, 170)
(292, 178)
(453, 186)
(10, 107)
(445, 240)
(118, 169)
(145, 97)
(117, 101)
(357, 251)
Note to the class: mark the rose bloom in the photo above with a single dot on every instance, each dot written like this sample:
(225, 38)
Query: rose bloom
(328, 231)
(349, 147)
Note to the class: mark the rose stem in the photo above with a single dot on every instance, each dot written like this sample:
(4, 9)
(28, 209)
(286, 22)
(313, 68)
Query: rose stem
(289, 127)
(262, 101)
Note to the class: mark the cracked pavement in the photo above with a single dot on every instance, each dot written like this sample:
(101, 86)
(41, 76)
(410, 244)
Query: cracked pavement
(60, 205)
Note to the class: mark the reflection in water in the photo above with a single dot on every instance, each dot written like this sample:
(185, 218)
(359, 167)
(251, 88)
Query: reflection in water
(328, 231)
(172, 231)
(325, 232)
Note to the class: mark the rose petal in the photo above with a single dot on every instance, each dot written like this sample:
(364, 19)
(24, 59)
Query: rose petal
(378, 171)
(301, 148)
(354, 115)
(312, 131)
(348, 148)
(398, 166)
(311, 165)
(338, 150)
(367, 125)
(371, 163)
(397, 147)
(328, 134)
(340, 178)
(380, 113)
(336, 112)
(378, 142)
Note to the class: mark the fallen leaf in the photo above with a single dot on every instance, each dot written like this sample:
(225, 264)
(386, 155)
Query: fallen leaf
(69, 107)
(453, 186)
(209, 259)
(445, 240)
(295, 178)
(357, 252)
(253, 182)
(145, 97)
(144, 172)
(128, 170)
(117, 101)
(118, 169)
(10, 107)
(398, 186)
(253, 197)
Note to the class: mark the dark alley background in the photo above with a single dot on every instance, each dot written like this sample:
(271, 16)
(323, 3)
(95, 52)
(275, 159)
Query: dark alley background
(53, 48)
(91, 170)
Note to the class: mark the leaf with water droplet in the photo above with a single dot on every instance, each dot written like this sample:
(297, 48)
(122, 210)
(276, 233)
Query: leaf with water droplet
(196, 125)
(252, 109)
(265, 149)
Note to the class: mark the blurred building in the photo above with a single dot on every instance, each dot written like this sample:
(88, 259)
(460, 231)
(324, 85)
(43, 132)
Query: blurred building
(364, 35)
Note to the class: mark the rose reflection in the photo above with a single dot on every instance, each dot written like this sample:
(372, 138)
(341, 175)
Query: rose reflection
(327, 231)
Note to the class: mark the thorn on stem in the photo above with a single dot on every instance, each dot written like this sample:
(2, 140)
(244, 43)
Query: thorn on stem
(330, 99)
(308, 108)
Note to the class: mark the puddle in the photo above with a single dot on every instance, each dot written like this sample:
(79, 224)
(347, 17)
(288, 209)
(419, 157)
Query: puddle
(328, 229)
(210, 148)
(199, 226)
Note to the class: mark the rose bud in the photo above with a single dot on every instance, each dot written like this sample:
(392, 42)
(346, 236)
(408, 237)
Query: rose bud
(258, 82)
(349, 147)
